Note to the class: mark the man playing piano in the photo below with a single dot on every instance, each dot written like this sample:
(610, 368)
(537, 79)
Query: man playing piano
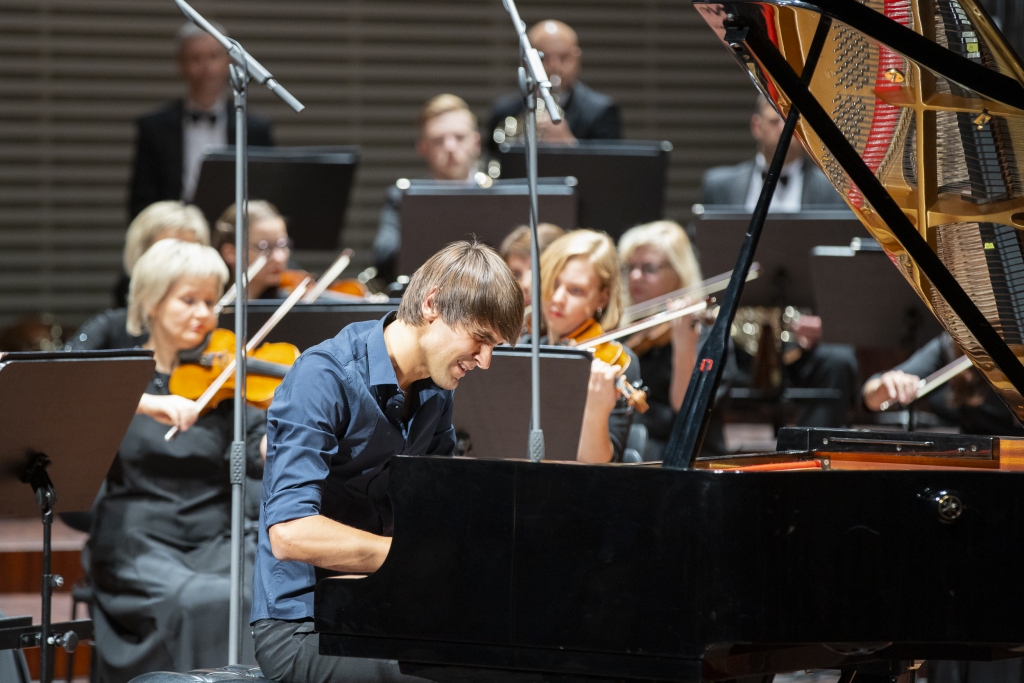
(376, 390)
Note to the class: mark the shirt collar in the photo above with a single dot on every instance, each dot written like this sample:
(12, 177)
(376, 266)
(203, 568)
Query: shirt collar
(382, 372)
(760, 164)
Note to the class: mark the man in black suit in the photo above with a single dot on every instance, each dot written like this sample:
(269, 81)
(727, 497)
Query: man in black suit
(589, 114)
(802, 186)
(170, 143)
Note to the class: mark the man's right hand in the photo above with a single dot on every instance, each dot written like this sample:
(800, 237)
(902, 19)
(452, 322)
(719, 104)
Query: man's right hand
(171, 410)
(892, 388)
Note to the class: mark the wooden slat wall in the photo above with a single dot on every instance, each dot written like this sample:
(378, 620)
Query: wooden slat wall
(75, 73)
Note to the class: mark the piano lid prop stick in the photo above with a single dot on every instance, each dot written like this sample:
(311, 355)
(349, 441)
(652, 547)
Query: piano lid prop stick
(935, 380)
(229, 369)
(329, 276)
(698, 290)
(229, 296)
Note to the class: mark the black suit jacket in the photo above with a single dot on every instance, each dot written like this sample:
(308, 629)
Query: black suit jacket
(156, 172)
(590, 115)
(729, 185)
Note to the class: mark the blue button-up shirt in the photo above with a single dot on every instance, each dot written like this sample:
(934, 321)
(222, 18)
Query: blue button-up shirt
(336, 420)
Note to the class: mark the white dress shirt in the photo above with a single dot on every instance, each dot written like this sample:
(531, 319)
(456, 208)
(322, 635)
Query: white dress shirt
(197, 138)
(789, 191)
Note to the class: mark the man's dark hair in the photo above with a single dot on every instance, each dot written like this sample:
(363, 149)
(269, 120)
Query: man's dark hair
(475, 291)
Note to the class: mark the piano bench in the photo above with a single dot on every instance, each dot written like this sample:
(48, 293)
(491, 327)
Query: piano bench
(234, 673)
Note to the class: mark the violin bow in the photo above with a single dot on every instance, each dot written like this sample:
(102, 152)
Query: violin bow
(329, 276)
(656, 319)
(934, 380)
(256, 340)
(229, 296)
(700, 289)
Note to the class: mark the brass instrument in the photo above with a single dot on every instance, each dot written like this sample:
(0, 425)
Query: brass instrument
(946, 155)
(514, 127)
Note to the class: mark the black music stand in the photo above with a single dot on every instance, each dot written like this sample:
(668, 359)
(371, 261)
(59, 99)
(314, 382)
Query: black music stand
(863, 300)
(62, 418)
(783, 251)
(307, 325)
(435, 213)
(621, 182)
(310, 186)
(492, 407)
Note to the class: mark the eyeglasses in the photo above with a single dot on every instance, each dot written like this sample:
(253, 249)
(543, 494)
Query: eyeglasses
(266, 245)
(646, 269)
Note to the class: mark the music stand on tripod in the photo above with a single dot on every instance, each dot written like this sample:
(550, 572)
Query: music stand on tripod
(62, 418)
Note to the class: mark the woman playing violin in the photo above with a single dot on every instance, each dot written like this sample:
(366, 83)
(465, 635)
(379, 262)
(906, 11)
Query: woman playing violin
(159, 551)
(657, 259)
(580, 284)
(267, 234)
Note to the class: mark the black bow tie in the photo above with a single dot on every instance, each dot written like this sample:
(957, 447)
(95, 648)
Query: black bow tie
(198, 116)
(782, 178)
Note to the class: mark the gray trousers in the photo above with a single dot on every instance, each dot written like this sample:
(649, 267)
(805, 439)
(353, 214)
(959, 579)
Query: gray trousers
(289, 652)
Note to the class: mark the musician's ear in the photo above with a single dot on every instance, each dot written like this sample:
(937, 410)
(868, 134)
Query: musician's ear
(429, 306)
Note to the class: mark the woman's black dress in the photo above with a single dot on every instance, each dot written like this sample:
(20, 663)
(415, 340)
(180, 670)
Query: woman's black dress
(105, 330)
(159, 552)
(656, 369)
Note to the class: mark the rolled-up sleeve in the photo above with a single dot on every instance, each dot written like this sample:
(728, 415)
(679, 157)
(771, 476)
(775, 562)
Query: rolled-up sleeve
(308, 412)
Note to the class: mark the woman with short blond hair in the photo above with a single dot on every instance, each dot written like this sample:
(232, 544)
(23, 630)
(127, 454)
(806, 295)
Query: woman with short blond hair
(159, 221)
(657, 259)
(159, 551)
(163, 220)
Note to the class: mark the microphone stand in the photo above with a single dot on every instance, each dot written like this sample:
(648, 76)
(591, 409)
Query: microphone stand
(533, 81)
(244, 68)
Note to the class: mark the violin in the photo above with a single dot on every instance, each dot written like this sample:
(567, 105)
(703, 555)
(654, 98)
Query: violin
(610, 352)
(653, 338)
(265, 368)
(350, 289)
(217, 382)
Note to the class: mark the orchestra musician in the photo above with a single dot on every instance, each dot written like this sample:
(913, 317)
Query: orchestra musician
(377, 389)
(580, 283)
(967, 400)
(589, 115)
(515, 249)
(801, 186)
(449, 143)
(268, 234)
(158, 555)
(170, 143)
(657, 259)
(809, 364)
(158, 221)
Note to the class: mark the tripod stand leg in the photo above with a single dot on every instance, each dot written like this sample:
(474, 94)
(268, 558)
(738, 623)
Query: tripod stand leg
(35, 475)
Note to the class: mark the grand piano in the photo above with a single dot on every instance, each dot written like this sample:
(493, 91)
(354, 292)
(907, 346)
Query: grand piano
(861, 551)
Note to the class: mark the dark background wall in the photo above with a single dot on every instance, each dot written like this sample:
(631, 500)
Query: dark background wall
(75, 73)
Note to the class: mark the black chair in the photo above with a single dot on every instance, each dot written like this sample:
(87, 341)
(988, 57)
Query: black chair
(636, 443)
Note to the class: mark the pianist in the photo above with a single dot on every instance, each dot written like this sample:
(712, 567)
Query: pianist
(378, 389)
